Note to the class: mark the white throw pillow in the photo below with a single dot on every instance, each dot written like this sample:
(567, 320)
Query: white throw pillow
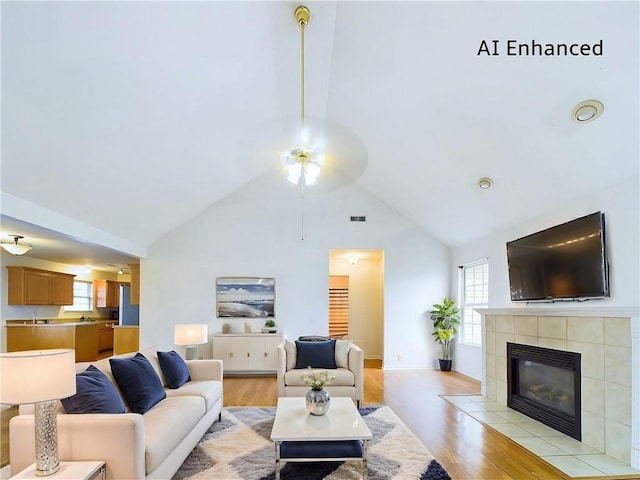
(290, 348)
(342, 353)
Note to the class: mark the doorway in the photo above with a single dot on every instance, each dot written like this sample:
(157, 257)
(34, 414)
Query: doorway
(356, 301)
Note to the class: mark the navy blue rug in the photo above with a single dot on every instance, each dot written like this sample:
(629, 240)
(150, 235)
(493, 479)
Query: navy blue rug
(239, 447)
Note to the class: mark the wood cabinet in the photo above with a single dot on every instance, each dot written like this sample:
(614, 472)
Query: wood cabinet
(105, 335)
(247, 352)
(126, 339)
(113, 294)
(32, 286)
(135, 283)
(62, 289)
(107, 293)
(83, 338)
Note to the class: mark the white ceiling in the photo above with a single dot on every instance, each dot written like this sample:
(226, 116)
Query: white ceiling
(146, 107)
(56, 247)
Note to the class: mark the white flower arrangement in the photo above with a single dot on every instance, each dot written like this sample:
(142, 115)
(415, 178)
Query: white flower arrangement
(317, 380)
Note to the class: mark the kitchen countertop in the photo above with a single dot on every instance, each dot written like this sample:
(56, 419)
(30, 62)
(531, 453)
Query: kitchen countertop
(67, 324)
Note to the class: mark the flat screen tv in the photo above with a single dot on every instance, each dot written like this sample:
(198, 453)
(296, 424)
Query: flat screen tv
(565, 262)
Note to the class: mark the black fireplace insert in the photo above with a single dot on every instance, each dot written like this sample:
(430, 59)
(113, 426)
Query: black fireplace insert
(544, 384)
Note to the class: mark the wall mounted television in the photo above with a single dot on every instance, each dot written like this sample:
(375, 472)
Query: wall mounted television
(565, 262)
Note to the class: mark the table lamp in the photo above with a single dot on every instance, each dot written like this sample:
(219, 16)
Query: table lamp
(190, 335)
(40, 377)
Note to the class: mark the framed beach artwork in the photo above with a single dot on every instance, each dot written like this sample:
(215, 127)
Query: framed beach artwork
(245, 297)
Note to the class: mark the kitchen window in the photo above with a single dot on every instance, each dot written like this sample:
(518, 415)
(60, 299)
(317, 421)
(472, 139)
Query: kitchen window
(82, 297)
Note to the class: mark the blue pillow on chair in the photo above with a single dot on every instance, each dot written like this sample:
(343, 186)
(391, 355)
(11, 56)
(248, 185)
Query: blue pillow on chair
(174, 368)
(316, 354)
(94, 394)
(138, 382)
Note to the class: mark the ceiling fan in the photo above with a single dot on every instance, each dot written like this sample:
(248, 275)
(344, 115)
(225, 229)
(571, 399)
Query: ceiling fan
(307, 151)
(121, 269)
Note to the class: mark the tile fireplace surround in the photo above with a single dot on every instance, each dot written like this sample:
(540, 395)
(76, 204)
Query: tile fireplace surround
(608, 340)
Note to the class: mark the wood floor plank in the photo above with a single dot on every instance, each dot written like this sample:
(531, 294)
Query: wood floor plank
(464, 447)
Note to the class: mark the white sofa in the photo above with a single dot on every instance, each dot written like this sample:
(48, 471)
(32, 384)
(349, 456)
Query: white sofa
(349, 381)
(149, 446)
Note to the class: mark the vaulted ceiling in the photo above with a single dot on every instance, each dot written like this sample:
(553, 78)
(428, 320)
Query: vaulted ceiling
(146, 107)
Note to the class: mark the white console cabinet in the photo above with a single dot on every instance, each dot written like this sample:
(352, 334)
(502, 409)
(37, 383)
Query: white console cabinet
(247, 352)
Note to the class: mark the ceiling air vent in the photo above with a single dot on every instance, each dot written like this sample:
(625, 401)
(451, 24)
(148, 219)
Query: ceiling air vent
(360, 218)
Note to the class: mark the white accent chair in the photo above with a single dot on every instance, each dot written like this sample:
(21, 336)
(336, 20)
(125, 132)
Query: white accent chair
(349, 381)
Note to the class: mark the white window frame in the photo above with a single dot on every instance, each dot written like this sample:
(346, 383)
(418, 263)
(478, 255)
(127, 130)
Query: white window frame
(469, 318)
(80, 297)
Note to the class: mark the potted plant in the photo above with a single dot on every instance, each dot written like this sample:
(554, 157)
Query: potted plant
(445, 326)
(269, 327)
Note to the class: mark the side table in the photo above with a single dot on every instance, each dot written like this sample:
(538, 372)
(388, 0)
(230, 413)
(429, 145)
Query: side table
(68, 471)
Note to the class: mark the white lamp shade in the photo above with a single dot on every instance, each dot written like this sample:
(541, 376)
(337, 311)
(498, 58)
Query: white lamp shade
(16, 248)
(37, 376)
(190, 334)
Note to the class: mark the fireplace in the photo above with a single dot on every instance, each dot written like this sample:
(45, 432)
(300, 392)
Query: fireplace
(544, 384)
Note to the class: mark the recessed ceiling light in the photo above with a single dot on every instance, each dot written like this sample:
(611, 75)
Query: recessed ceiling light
(485, 183)
(587, 111)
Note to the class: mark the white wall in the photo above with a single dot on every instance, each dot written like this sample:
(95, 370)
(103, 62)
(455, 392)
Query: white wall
(257, 232)
(621, 206)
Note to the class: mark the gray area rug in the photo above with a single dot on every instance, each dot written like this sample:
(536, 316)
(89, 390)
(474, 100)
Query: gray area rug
(239, 447)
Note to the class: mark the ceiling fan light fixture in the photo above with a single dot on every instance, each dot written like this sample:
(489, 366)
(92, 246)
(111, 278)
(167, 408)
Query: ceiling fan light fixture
(302, 163)
(16, 248)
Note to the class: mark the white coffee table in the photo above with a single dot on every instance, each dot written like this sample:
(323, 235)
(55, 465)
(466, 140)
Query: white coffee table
(339, 435)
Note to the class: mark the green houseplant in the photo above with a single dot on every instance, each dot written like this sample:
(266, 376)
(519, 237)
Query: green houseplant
(269, 327)
(445, 326)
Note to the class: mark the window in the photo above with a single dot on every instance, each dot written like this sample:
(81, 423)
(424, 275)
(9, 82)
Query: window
(474, 291)
(82, 297)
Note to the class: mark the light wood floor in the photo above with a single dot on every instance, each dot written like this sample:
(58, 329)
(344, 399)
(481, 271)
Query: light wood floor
(464, 447)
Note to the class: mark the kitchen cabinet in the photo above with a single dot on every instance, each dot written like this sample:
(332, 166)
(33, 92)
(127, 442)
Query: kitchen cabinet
(62, 289)
(126, 339)
(135, 283)
(105, 335)
(32, 286)
(107, 293)
(247, 352)
(81, 337)
(113, 294)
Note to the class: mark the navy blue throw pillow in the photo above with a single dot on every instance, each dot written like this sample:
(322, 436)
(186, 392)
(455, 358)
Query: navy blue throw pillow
(138, 382)
(175, 370)
(94, 394)
(316, 354)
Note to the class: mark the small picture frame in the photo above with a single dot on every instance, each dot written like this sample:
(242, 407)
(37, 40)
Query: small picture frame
(245, 297)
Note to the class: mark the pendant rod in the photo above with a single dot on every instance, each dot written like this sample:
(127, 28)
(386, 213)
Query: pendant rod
(303, 16)
(302, 27)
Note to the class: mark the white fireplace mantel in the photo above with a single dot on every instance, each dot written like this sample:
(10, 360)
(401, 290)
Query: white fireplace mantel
(564, 312)
(633, 313)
